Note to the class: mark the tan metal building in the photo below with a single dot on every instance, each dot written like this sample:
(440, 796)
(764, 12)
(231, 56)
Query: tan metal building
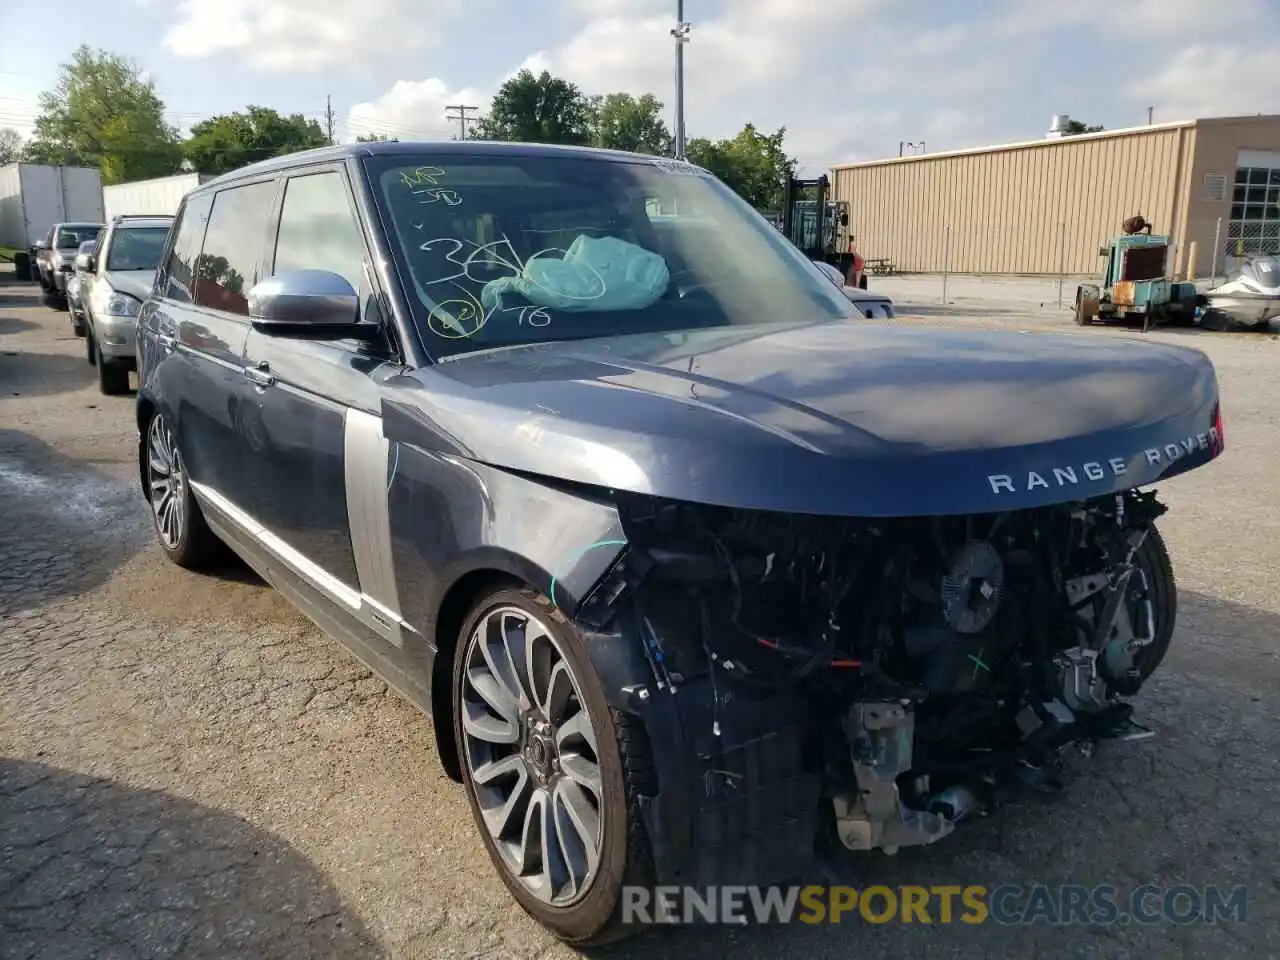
(1045, 206)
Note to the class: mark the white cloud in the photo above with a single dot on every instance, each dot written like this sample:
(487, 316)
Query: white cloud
(1207, 80)
(414, 110)
(304, 35)
(1132, 19)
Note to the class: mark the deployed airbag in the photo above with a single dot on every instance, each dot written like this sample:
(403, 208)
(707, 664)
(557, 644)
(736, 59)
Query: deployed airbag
(595, 273)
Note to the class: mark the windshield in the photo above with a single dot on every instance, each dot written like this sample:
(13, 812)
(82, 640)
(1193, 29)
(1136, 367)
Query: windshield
(70, 238)
(1267, 270)
(511, 249)
(136, 248)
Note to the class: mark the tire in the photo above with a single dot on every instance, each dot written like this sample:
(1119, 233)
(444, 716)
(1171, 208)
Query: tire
(90, 347)
(1153, 558)
(591, 914)
(862, 282)
(113, 377)
(182, 532)
(1079, 317)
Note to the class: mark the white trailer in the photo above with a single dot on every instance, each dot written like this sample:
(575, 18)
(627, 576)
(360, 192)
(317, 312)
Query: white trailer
(33, 197)
(157, 197)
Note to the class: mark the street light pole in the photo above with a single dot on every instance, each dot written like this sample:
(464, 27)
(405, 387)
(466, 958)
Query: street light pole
(681, 34)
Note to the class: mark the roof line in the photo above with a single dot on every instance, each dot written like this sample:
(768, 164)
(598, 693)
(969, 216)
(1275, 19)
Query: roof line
(1025, 144)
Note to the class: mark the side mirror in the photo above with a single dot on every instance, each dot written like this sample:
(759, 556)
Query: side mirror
(42, 245)
(302, 302)
(1104, 251)
(85, 262)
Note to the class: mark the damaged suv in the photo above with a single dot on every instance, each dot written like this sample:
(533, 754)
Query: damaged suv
(583, 458)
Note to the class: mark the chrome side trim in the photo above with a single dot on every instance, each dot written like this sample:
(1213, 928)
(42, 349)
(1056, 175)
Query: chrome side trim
(365, 453)
(366, 609)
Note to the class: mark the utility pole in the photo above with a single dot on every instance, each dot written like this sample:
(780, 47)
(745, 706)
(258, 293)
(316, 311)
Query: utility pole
(1150, 113)
(681, 34)
(460, 116)
(328, 117)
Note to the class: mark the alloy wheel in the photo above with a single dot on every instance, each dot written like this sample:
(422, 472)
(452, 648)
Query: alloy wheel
(166, 483)
(532, 756)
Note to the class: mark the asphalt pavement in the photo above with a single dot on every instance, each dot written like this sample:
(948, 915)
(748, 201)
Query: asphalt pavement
(189, 768)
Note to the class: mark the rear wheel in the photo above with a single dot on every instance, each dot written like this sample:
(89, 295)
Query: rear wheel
(552, 773)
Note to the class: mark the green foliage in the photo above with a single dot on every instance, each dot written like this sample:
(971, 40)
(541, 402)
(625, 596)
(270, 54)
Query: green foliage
(12, 146)
(622, 122)
(753, 164)
(538, 109)
(1076, 127)
(232, 140)
(104, 113)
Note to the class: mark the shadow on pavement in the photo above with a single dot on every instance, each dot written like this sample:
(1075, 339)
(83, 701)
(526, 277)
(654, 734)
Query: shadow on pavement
(93, 868)
(13, 324)
(67, 526)
(944, 310)
(25, 374)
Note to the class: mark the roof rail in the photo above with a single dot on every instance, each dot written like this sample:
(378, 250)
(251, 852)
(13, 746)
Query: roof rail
(142, 216)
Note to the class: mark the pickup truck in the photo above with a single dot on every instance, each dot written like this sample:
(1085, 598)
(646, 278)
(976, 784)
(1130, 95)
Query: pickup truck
(55, 258)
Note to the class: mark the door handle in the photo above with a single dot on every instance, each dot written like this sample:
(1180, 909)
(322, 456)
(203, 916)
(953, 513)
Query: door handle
(165, 341)
(260, 375)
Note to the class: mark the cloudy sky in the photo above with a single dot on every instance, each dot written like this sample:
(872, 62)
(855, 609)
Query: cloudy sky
(848, 78)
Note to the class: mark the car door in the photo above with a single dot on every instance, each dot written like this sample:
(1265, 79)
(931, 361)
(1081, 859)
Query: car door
(197, 325)
(318, 453)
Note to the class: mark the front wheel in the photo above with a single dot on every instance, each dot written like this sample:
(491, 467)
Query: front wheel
(180, 527)
(1162, 589)
(113, 377)
(552, 773)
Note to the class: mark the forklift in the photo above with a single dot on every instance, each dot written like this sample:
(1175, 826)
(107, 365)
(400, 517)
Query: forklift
(819, 226)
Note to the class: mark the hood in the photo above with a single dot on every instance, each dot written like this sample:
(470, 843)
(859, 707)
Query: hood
(136, 283)
(832, 418)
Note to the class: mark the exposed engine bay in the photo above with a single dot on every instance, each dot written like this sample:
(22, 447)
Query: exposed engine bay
(930, 664)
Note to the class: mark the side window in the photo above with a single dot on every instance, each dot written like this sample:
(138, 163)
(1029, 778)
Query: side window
(227, 267)
(318, 230)
(188, 238)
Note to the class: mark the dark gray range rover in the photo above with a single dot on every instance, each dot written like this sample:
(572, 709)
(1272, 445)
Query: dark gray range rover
(690, 563)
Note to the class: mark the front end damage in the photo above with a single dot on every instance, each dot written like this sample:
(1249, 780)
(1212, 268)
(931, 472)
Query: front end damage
(875, 682)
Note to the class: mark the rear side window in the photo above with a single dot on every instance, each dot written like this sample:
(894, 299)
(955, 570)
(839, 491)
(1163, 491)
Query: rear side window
(228, 265)
(186, 248)
(318, 229)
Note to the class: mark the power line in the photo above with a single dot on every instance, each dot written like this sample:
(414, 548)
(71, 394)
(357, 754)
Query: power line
(461, 116)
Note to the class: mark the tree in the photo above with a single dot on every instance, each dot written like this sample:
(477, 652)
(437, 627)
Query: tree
(538, 109)
(376, 138)
(105, 113)
(11, 145)
(1077, 127)
(623, 122)
(754, 164)
(231, 140)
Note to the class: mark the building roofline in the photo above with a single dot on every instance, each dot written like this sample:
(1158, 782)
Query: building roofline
(1029, 144)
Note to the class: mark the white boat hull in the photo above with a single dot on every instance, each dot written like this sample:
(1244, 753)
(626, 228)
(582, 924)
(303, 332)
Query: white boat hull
(1243, 309)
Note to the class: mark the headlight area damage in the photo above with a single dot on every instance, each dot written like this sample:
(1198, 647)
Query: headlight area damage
(881, 679)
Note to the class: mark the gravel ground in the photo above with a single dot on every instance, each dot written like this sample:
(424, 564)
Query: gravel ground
(189, 768)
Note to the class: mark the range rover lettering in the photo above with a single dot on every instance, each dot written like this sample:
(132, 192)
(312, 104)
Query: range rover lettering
(689, 562)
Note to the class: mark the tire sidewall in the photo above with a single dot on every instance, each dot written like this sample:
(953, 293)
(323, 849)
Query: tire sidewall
(589, 915)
